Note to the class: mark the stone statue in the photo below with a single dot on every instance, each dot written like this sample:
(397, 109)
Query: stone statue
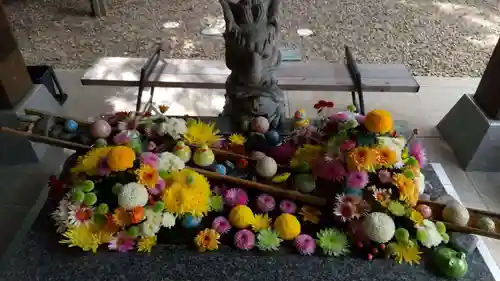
(252, 56)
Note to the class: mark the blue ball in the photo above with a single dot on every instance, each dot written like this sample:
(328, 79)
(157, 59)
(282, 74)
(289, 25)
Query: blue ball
(190, 221)
(272, 137)
(70, 125)
(220, 169)
(354, 191)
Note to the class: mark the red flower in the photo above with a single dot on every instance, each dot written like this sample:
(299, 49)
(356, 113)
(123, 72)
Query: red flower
(330, 104)
(322, 103)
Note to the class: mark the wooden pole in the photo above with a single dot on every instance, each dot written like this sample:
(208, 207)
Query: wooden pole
(15, 81)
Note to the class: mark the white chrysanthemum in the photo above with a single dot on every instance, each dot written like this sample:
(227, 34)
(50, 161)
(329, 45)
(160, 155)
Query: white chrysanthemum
(428, 234)
(169, 162)
(175, 127)
(379, 227)
(168, 220)
(153, 222)
(79, 214)
(132, 195)
(61, 215)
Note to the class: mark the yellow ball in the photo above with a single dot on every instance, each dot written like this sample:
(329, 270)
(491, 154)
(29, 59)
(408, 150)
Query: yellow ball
(379, 121)
(287, 226)
(241, 216)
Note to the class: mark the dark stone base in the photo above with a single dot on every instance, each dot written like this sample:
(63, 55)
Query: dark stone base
(473, 137)
(40, 257)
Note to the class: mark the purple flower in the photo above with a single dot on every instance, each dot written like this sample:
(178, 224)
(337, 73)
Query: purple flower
(288, 206)
(122, 243)
(122, 138)
(266, 203)
(149, 158)
(235, 196)
(103, 168)
(357, 179)
(305, 244)
(384, 176)
(244, 239)
(417, 150)
(221, 225)
(329, 169)
(159, 187)
(340, 117)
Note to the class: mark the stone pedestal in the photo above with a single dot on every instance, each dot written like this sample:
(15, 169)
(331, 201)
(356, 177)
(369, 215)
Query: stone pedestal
(473, 137)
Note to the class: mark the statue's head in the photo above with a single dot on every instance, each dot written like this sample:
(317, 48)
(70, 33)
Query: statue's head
(251, 29)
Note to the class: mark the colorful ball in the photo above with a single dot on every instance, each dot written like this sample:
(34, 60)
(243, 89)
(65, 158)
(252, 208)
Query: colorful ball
(260, 125)
(100, 129)
(425, 210)
(305, 244)
(70, 125)
(244, 239)
(266, 203)
(241, 216)
(287, 226)
(189, 221)
(220, 169)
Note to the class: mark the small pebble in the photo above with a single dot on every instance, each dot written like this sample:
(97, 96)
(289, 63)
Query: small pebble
(242, 163)
(220, 169)
(101, 142)
(486, 223)
(229, 165)
(70, 126)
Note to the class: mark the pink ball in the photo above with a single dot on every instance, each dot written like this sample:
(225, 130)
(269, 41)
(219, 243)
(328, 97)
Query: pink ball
(260, 125)
(100, 129)
(425, 210)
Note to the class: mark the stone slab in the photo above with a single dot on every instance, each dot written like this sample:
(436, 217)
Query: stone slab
(473, 137)
(16, 150)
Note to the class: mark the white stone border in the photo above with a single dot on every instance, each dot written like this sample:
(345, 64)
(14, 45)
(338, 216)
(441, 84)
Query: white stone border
(481, 246)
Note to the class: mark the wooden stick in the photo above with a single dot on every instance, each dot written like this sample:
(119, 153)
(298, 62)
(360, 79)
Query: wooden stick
(277, 191)
(44, 139)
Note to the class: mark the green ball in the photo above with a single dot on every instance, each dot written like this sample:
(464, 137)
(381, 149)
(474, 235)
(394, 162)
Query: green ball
(133, 231)
(117, 188)
(446, 237)
(102, 209)
(441, 228)
(303, 167)
(87, 186)
(99, 220)
(158, 206)
(78, 196)
(402, 235)
(90, 199)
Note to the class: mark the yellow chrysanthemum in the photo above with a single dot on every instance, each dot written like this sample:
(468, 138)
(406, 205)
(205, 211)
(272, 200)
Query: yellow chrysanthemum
(260, 222)
(187, 192)
(416, 217)
(147, 175)
(207, 240)
(199, 133)
(83, 237)
(361, 159)
(89, 162)
(120, 158)
(237, 139)
(379, 121)
(408, 190)
(386, 156)
(145, 244)
(406, 252)
(306, 154)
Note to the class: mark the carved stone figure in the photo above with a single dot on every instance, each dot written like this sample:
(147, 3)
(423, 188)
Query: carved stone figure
(252, 56)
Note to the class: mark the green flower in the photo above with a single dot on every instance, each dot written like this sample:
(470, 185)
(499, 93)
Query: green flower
(268, 240)
(333, 242)
(216, 203)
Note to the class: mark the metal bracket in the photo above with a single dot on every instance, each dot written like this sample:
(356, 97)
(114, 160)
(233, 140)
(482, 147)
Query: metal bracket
(146, 71)
(352, 67)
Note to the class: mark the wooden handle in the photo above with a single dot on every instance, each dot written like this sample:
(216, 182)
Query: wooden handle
(274, 190)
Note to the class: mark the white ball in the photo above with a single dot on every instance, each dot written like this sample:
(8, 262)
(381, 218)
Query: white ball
(258, 155)
(132, 195)
(260, 124)
(266, 167)
(379, 227)
(455, 212)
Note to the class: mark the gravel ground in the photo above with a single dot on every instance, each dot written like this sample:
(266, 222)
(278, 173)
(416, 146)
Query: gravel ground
(453, 38)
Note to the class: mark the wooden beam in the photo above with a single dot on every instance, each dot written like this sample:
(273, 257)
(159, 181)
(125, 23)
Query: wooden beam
(487, 95)
(15, 81)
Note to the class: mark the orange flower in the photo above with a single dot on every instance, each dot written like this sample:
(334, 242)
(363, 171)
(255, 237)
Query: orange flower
(310, 214)
(379, 121)
(120, 158)
(361, 159)
(121, 217)
(148, 176)
(386, 156)
(163, 108)
(137, 215)
(110, 225)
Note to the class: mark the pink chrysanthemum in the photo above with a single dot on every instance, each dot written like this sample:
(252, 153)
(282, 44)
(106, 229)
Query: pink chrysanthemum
(358, 179)
(288, 206)
(221, 225)
(305, 244)
(384, 176)
(235, 196)
(417, 150)
(329, 169)
(122, 243)
(265, 203)
(340, 117)
(348, 145)
(349, 207)
(149, 158)
(244, 239)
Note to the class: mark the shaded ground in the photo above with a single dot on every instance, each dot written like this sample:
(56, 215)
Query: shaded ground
(450, 38)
